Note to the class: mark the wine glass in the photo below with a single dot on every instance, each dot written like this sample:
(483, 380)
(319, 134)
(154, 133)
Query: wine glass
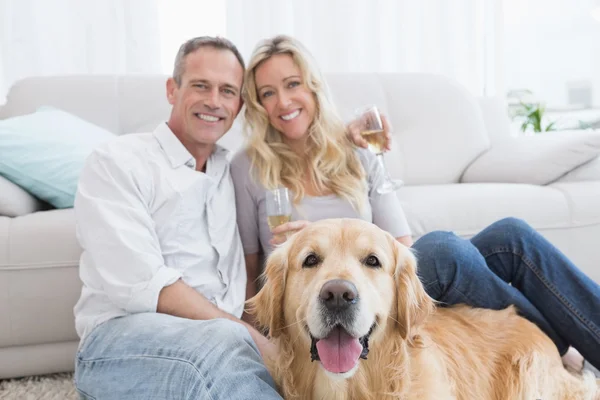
(371, 129)
(279, 207)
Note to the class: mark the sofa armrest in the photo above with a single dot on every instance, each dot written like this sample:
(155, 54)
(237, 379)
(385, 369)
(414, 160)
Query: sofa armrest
(15, 201)
(538, 160)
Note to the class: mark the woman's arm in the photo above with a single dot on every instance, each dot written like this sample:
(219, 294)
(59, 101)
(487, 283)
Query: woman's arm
(252, 272)
(353, 133)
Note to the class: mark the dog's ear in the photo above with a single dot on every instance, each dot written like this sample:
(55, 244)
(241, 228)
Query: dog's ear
(413, 304)
(267, 305)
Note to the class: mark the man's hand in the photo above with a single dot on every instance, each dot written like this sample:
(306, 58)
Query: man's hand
(183, 301)
(353, 132)
(268, 350)
(283, 231)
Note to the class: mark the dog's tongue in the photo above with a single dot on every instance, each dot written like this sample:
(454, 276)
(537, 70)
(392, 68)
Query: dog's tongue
(339, 352)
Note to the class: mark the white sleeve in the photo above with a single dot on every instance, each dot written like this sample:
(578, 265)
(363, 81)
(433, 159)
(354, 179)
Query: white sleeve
(116, 231)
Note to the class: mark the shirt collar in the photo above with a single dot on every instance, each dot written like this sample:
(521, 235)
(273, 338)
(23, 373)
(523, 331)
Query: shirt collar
(176, 152)
(172, 146)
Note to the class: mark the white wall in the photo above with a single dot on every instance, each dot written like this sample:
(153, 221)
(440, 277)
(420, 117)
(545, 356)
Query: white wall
(548, 43)
(181, 20)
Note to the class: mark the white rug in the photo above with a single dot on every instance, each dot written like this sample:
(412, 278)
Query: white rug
(46, 387)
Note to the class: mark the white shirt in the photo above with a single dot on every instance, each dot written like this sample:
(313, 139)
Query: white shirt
(145, 218)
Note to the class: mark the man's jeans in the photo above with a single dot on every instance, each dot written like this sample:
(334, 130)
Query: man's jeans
(510, 263)
(158, 356)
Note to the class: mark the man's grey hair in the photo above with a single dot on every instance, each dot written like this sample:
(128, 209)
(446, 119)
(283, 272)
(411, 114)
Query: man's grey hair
(194, 44)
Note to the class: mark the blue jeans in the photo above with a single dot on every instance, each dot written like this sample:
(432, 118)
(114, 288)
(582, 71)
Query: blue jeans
(510, 263)
(158, 356)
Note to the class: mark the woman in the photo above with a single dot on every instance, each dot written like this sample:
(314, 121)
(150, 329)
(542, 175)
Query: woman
(297, 140)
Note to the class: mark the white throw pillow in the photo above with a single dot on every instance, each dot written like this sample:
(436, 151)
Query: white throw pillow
(538, 160)
(16, 201)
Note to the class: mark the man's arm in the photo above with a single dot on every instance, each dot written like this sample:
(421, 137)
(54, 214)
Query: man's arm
(116, 231)
(183, 301)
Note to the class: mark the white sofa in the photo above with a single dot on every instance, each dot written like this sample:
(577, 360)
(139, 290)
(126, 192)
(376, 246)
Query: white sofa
(443, 137)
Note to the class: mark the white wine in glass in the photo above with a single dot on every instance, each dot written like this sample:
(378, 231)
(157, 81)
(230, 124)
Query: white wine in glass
(375, 139)
(371, 129)
(279, 207)
(276, 220)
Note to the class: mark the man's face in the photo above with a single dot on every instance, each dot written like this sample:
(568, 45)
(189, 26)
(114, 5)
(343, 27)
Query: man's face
(208, 98)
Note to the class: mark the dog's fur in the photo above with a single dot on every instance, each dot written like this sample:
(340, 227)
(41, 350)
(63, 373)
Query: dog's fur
(417, 350)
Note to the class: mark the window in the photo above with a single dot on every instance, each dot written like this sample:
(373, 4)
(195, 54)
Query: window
(181, 20)
(552, 58)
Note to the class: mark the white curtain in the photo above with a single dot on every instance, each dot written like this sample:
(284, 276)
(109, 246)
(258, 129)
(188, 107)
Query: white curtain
(47, 37)
(449, 37)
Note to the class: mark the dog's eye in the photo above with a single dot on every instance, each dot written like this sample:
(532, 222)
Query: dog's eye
(372, 261)
(310, 261)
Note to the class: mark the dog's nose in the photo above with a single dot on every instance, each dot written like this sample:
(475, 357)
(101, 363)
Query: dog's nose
(338, 294)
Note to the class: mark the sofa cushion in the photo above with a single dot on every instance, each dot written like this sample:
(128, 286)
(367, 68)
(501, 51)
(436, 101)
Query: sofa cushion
(495, 115)
(39, 280)
(590, 171)
(15, 201)
(583, 199)
(539, 159)
(438, 125)
(468, 208)
(44, 152)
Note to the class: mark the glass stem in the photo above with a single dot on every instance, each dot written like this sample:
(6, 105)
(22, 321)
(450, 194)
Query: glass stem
(382, 163)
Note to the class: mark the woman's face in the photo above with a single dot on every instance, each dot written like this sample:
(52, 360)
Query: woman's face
(289, 103)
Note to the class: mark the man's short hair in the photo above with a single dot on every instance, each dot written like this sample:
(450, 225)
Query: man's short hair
(202, 41)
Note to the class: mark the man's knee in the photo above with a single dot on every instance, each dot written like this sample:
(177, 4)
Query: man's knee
(226, 332)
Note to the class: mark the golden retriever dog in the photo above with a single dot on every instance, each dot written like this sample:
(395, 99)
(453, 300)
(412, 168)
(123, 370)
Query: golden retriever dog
(342, 302)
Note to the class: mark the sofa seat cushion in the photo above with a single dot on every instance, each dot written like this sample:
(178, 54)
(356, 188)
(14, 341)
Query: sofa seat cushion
(39, 280)
(468, 208)
(583, 199)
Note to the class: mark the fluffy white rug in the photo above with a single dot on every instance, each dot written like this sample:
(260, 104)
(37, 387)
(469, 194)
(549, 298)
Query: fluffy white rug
(46, 387)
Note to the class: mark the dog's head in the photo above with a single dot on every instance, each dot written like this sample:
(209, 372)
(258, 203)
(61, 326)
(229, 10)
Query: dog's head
(337, 286)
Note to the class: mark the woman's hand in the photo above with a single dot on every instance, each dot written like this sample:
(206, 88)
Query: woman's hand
(283, 231)
(353, 132)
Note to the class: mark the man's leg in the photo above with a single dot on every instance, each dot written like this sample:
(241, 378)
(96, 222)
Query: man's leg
(158, 356)
(567, 298)
(453, 271)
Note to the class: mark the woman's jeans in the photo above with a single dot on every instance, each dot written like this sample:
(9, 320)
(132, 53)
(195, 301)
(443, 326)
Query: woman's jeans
(510, 263)
(158, 356)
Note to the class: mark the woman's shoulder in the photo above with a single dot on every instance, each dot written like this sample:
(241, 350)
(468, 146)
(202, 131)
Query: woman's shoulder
(241, 170)
(240, 160)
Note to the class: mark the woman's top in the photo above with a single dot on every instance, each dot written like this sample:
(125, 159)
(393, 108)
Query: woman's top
(384, 210)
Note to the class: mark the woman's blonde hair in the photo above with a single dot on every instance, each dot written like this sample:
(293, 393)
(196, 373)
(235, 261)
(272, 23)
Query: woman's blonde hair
(333, 163)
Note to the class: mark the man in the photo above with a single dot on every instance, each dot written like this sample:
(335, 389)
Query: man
(162, 265)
